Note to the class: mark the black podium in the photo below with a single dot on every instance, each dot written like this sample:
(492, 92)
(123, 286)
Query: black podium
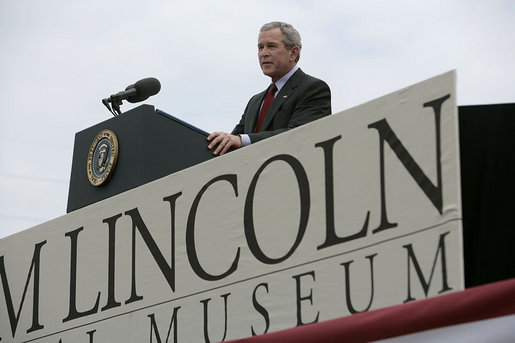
(151, 144)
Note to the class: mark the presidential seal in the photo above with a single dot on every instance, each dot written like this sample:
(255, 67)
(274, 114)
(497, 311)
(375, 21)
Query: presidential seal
(102, 157)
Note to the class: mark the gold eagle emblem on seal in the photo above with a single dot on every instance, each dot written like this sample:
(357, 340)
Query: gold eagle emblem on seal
(102, 157)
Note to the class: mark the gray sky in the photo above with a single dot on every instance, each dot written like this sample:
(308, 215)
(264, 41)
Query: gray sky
(59, 58)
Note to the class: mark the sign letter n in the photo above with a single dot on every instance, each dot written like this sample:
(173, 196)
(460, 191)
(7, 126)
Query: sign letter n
(386, 134)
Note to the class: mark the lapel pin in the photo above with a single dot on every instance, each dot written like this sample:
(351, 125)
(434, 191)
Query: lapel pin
(285, 96)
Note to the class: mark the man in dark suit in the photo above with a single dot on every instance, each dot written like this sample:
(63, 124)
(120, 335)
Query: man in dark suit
(293, 99)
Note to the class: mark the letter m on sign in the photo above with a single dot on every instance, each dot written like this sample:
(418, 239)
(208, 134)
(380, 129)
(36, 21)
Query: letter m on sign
(426, 283)
(14, 316)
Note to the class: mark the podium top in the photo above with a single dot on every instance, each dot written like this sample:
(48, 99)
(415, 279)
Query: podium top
(151, 144)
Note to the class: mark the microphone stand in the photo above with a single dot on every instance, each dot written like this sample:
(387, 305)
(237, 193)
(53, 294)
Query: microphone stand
(115, 103)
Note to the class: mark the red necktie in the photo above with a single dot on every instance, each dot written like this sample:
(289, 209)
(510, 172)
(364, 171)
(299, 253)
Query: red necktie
(269, 98)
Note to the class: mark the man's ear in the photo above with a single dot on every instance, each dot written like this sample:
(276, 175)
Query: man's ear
(294, 52)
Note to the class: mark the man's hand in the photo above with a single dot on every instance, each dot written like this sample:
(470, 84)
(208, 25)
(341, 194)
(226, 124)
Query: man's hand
(224, 140)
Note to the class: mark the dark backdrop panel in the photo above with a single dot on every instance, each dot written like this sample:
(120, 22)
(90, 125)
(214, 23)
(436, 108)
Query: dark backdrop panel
(487, 144)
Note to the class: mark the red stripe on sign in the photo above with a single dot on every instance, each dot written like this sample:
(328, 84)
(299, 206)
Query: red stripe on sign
(478, 303)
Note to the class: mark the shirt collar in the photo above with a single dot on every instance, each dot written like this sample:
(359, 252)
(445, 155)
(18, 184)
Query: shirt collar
(282, 81)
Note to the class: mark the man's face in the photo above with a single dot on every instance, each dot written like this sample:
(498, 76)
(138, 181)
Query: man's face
(274, 59)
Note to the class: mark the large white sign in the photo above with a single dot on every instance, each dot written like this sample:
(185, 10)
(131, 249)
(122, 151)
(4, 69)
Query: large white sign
(353, 212)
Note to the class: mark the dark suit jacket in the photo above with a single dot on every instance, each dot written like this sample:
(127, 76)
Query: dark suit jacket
(302, 99)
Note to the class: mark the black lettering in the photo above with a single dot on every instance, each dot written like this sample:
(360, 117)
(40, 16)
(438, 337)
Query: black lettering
(425, 284)
(386, 134)
(111, 301)
(173, 321)
(167, 270)
(250, 233)
(331, 238)
(300, 298)
(260, 309)
(348, 296)
(73, 312)
(33, 270)
(90, 334)
(190, 232)
(206, 315)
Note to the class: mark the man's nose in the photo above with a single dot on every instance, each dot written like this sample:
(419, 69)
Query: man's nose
(264, 52)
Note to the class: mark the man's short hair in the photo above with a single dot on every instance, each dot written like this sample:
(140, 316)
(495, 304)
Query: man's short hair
(291, 37)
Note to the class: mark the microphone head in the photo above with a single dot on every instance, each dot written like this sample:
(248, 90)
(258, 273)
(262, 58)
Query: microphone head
(144, 88)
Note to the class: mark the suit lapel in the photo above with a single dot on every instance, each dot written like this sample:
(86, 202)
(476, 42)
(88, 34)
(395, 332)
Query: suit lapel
(283, 95)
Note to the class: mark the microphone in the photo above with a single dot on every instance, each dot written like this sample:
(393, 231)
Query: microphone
(137, 92)
(140, 91)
